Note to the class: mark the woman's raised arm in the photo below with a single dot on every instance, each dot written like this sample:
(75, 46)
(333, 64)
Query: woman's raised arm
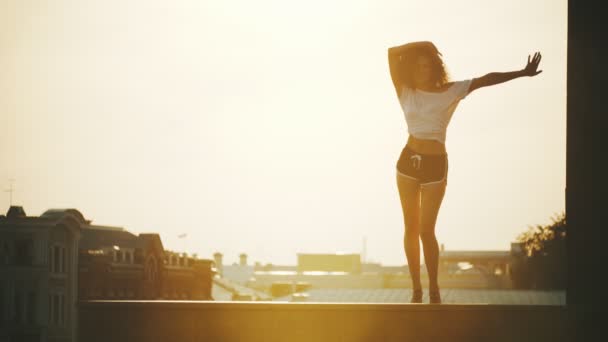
(396, 55)
(500, 77)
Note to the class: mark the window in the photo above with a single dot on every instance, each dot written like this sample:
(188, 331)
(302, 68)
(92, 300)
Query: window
(57, 312)
(55, 309)
(2, 309)
(24, 249)
(50, 313)
(31, 308)
(63, 260)
(4, 253)
(58, 259)
(62, 309)
(18, 308)
(151, 269)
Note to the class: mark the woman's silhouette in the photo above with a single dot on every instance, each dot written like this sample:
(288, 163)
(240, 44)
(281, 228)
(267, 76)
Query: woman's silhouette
(428, 101)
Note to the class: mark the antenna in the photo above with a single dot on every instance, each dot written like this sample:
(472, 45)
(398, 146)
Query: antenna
(10, 191)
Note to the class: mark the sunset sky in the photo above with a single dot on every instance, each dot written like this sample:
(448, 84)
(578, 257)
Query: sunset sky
(272, 127)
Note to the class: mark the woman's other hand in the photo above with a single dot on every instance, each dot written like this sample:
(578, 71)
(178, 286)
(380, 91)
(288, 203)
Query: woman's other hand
(530, 69)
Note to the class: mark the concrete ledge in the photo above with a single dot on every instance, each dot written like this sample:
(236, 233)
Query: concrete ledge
(271, 321)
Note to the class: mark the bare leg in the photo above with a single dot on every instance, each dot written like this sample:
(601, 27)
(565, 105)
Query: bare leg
(409, 194)
(432, 196)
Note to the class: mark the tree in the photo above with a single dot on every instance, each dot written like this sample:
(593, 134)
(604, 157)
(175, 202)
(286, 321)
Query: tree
(545, 262)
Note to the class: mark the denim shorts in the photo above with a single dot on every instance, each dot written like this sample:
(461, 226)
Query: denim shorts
(426, 168)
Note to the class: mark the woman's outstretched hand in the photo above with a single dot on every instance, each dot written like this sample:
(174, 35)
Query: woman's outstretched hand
(530, 69)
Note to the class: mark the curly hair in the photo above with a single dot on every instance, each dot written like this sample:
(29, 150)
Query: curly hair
(408, 63)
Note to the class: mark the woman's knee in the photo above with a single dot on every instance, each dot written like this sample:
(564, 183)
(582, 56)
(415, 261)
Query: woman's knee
(411, 233)
(428, 236)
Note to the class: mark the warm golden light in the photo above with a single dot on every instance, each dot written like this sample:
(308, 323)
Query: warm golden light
(271, 127)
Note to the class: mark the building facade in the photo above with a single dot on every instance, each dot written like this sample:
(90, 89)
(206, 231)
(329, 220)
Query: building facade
(117, 264)
(50, 262)
(38, 275)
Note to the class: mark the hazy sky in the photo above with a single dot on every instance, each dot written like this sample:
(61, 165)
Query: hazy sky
(272, 127)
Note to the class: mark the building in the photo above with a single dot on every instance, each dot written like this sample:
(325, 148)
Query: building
(338, 262)
(117, 264)
(38, 274)
(187, 277)
(230, 284)
(492, 267)
(239, 273)
(217, 261)
(48, 263)
(457, 270)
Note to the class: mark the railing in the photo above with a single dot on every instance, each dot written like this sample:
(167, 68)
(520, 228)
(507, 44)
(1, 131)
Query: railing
(186, 321)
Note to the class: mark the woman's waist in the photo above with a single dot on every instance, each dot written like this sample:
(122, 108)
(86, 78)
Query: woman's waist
(425, 146)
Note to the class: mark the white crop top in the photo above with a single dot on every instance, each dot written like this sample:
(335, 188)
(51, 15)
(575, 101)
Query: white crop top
(428, 114)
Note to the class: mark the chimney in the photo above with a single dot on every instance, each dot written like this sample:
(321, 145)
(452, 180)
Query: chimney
(15, 212)
(243, 259)
(217, 256)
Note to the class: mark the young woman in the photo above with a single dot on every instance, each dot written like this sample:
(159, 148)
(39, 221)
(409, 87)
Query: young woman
(428, 101)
